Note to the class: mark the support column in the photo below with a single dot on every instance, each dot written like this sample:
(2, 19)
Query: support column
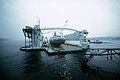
(111, 54)
(25, 41)
(29, 42)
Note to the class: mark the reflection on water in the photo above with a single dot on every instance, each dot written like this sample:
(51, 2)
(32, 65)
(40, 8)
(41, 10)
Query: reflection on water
(39, 65)
(33, 63)
(19, 65)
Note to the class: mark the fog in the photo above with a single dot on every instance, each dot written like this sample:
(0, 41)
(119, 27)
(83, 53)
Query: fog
(99, 17)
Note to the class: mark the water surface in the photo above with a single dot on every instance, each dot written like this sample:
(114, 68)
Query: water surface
(20, 65)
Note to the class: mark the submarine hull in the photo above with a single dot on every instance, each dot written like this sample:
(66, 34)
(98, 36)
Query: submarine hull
(56, 41)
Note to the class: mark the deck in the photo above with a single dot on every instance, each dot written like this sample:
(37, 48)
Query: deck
(65, 48)
(69, 48)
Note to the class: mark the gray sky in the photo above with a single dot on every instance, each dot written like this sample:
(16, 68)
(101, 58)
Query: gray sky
(99, 17)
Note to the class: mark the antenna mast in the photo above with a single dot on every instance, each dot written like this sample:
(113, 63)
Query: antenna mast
(38, 20)
(66, 23)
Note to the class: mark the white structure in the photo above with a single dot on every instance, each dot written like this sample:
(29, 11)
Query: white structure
(82, 38)
(35, 37)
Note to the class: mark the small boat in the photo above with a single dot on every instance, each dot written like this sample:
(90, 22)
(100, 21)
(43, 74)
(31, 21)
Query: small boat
(96, 42)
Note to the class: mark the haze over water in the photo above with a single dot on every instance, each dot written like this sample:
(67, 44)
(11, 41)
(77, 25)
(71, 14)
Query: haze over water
(99, 17)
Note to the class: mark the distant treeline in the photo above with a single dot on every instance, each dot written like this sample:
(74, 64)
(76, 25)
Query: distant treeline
(105, 38)
(2, 39)
(75, 36)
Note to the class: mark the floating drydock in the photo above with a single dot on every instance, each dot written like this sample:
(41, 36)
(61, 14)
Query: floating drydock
(34, 41)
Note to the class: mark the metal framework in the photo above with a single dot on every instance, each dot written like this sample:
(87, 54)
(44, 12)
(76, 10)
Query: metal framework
(62, 28)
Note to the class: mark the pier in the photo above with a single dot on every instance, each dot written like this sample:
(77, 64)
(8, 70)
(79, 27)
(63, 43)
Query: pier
(68, 48)
(109, 51)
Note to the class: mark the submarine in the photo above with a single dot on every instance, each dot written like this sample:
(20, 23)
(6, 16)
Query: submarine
(56, 40)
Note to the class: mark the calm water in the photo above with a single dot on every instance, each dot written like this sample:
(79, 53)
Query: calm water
(20, 65)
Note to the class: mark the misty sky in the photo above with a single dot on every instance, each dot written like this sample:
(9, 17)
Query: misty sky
(99, 17)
